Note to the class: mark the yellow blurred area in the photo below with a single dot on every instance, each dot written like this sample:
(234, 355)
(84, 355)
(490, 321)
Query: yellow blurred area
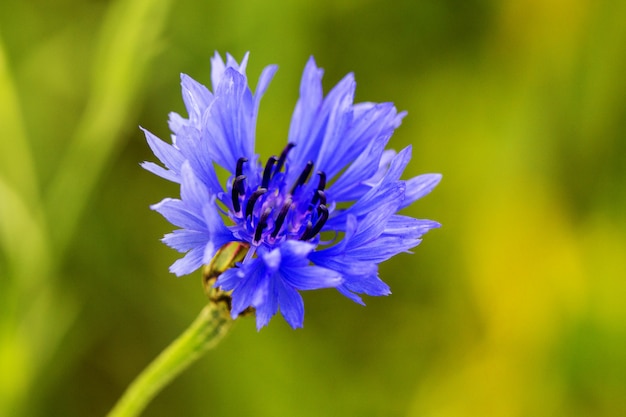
(531, 284)
(515, 307)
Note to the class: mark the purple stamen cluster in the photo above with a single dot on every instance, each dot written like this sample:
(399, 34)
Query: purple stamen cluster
(268, 213)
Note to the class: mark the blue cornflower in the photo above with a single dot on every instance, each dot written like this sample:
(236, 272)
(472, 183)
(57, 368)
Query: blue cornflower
(334, 177)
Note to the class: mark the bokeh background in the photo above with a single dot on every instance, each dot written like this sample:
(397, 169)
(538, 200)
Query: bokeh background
(516, 307)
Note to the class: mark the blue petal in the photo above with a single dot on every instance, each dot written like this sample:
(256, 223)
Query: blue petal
(376, 241)
(334, 118)
(160, 171)
(178, 213)
(183, 239)
(217, 70)
(167, 154)
(268, 308)
(311, 277)
(352, 296)
(214, 223)
(192, 191)
(263, 83)
(291, 305)
(272, 260)
(197, 99)
(383, 166)
(229, 122)
(195, 150)
(371, 226)
(376, 122)
(189, 263)
(338, 257)
(229, 279)
(304, 115)
(397, 165)
(332, 132)
(176, 122)
(311, 96)
(383, 195)
(347, 187)
(295, 253)
(253, 289)
(408, 227)
(204, 231)
(349, 227)
(390, 189)
(418, 187)
(217, 231)
(330, 119)
(344, 264)
(218, 67)
(370, 285)
(232, 63)
(382, 249)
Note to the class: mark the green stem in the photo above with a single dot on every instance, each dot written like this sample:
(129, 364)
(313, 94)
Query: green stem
(203, 334)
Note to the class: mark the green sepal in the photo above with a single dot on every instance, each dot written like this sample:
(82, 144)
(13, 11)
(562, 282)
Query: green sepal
(224, 259)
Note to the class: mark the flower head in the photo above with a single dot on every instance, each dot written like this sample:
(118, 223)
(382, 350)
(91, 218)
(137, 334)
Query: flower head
(333, 176)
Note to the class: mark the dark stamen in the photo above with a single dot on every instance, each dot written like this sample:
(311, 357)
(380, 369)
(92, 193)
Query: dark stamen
(322, 184)
(303, 176)
(252, 200)
(319, 196)
(262, 224)
(238, 184)
(311, 232)
(307, 231)
(267, 172)
(235, 196)
(240, 163)
(237, 191)
(281, 217)
(283, 157)
(320, 189)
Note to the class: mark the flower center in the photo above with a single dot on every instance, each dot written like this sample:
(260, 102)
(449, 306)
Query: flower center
(274, 210)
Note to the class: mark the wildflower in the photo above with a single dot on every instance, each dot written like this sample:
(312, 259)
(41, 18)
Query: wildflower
(334, 177)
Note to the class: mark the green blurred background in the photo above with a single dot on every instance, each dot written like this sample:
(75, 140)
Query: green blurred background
(516, 307)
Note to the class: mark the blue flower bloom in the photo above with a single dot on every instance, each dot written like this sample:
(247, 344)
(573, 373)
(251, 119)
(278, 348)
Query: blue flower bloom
(334, 177)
